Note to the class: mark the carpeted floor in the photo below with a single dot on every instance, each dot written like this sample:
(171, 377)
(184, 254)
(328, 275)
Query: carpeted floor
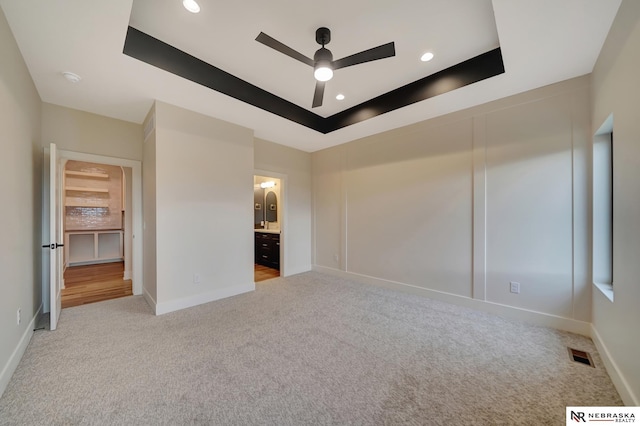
(307, 349)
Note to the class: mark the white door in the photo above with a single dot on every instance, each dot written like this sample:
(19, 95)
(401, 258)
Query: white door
(55, 240)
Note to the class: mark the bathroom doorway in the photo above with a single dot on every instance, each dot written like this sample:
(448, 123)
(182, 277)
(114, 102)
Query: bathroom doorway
(267, 226)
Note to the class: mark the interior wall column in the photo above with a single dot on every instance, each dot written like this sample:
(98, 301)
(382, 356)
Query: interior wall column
(479, 247)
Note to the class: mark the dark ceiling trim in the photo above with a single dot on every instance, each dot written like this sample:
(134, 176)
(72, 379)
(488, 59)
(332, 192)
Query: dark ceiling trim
(471, 71)
(164, 56)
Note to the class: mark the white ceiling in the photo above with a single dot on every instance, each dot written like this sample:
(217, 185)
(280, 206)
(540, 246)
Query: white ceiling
(542, 42)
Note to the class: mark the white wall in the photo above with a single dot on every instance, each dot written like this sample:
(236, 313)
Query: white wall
(296, 166)
(616, 90)
(457, 207)
(20, 174)
(203, 198)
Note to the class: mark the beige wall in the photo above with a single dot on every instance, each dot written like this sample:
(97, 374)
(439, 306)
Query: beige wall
(203, 198)
(329, 213)
(80, 131)
(616, 90)
(83, 132)
(533, 153)
(20, 174)
(463, 204)
(295, 166)
(149, 214)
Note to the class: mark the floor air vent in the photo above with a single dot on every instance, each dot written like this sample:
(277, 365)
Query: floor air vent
(581, 356)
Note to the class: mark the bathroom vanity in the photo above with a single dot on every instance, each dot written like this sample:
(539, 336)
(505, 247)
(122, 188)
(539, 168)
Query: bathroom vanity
(267, 248)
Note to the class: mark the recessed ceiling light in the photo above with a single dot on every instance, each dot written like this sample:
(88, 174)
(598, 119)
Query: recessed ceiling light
(426, 57)
(340, 97)
(71, 77)
(191, 6)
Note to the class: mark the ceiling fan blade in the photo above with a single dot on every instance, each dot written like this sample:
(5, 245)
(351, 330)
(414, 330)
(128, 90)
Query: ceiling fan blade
(282, 48)
(318, 94)
(385, 51)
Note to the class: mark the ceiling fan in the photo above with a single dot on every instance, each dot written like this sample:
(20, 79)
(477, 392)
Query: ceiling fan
(323, 63)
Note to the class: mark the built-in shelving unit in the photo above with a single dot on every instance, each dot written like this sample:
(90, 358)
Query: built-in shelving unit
(98, 175)
(88, 204)
(85, 247)
(86, 189)
(86, 201)
(93, 200)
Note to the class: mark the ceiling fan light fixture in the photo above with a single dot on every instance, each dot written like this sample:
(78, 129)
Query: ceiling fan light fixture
(191, 6)
(323, 73)
(323, 63)
(322, 70)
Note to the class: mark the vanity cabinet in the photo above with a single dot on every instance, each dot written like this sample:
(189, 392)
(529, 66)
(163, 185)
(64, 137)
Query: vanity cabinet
(267, 249)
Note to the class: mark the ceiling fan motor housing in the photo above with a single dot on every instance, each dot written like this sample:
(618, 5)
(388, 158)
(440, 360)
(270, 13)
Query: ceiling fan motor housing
(323, 36)
(323, 55)
(322, 62)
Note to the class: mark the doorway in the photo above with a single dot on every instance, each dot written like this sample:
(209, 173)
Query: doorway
(267, 226)
(135, 207)
(97, 222)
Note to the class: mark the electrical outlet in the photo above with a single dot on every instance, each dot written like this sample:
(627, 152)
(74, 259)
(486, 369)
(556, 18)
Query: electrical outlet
(196, 278)
(515, 287)
(18, 318)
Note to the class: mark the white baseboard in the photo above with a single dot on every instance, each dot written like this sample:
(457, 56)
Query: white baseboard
(16, 356)
(532, 317)
(199, 299)
(296, 271)
(149, 299)
(617, 378)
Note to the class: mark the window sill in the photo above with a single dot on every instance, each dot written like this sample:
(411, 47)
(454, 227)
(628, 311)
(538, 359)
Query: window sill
(606, 289)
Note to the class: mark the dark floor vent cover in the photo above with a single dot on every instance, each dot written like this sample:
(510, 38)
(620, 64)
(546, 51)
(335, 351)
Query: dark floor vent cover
(581, 356)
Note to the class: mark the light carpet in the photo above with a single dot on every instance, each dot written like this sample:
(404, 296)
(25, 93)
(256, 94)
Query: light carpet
(310, 349)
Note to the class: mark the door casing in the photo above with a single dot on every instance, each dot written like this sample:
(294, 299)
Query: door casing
(136, 207)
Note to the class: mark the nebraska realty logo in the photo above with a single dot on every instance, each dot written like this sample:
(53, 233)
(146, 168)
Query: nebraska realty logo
(602, 415)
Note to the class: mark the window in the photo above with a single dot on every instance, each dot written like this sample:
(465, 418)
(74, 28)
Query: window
(603, 208)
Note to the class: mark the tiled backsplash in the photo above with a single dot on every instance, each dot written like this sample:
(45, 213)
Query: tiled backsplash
(93, 196)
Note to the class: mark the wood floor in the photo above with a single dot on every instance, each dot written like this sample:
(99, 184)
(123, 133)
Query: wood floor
(94, 283)
(262, 273)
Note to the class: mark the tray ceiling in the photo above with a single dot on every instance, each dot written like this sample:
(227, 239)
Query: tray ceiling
(541, 42)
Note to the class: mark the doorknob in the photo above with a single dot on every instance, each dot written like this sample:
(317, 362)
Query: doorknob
(53, 246)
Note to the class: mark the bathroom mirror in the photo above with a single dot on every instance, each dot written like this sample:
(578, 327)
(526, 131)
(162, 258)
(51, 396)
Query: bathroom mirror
(258, 207)
(271, 207)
